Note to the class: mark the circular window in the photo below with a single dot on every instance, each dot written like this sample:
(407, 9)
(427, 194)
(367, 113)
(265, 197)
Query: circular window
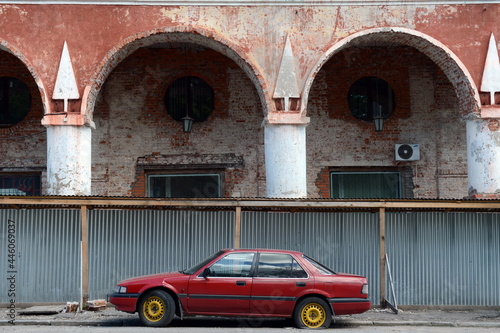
(189, 96)
(15, 101)
(371, 97)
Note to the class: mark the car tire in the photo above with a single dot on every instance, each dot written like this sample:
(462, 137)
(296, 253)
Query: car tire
(156, 308)
(312, 313)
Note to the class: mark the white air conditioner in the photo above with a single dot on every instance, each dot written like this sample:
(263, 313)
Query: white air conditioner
(407, 152)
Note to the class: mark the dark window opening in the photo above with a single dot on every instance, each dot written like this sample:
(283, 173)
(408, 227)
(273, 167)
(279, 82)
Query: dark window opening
(189, 96)
(22, 184)
(371, 97)
(184, 186)
(365, 185)
(277, 265)
(15, 101)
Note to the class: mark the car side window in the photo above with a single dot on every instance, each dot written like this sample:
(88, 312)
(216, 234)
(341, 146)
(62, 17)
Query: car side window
(279, 265)
(233, 265)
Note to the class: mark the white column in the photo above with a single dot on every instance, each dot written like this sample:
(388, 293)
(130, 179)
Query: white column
(285, 156)
(483, 155)
(69, 160)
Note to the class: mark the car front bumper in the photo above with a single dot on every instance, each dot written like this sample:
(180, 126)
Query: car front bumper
(124, 302)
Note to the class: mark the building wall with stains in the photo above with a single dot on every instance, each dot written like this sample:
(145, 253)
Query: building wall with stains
(124, 57)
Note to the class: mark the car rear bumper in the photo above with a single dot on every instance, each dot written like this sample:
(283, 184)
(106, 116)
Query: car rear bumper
(343, 306)
(124, 302)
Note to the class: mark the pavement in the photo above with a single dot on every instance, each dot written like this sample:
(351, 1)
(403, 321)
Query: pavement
(486, 318)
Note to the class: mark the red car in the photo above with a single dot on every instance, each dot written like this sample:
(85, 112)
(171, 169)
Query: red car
(248, 283)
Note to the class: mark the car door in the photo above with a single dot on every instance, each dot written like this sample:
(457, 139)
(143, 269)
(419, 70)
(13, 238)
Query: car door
(278, 280)
(226, 289)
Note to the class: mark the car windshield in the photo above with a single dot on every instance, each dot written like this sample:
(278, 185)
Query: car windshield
(320, 267)
(193, 269)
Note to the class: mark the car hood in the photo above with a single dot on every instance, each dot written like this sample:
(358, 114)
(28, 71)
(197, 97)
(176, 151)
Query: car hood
(151, 277)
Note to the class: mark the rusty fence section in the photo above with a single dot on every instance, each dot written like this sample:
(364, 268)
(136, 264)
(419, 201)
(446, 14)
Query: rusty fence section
(79, 251)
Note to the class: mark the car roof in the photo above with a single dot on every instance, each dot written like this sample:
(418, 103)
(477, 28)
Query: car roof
(264, 251)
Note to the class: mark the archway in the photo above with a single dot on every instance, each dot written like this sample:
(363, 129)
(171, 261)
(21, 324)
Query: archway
(6, 47)
(173, 35)
(443, 57)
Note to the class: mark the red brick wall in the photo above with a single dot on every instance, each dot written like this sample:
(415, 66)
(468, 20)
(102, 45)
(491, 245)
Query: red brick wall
(132, 121)
(426, 113)
(22, 146)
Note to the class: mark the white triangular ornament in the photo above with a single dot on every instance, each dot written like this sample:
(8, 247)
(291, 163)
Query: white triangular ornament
(65, 87)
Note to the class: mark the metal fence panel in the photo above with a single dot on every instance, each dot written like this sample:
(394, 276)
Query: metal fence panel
(346, 242)
(436, 258)
(47, 261)
(445, 258)
(124, 243)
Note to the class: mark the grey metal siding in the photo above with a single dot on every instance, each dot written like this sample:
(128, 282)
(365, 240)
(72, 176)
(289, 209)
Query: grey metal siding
(47, 266)
(436, 258)
(126, 243)
(346, 242)
(445, 258)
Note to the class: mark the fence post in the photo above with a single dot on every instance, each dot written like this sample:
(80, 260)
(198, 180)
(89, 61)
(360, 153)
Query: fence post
(382, 254)
(84, 258)
(237, 228)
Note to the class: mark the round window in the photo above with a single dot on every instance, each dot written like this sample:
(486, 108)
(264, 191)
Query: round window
(15, 101)
(189, 96)
(371, 97)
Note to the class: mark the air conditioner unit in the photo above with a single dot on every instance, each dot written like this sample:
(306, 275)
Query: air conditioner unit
(407, 152)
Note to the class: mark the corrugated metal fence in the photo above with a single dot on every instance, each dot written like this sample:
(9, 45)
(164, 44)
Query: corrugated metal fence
(436, 258)
(47, 262)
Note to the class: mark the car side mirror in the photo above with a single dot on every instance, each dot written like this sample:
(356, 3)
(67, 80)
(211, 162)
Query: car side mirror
(206, 273)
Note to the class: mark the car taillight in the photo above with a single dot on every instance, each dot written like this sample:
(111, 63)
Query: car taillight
(364, 289)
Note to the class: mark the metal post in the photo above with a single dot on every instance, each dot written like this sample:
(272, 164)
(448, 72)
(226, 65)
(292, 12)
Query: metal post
(237, 228)
(382, 255)
(84, 258)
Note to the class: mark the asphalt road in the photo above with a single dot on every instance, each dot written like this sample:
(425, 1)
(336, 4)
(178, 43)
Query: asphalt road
(374, 329)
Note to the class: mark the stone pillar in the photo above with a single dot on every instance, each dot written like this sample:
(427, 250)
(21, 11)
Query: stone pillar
(69, 150)
(483, 155)
(285, 157)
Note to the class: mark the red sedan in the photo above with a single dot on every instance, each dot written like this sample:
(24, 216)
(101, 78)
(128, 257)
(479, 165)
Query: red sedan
(251, 283)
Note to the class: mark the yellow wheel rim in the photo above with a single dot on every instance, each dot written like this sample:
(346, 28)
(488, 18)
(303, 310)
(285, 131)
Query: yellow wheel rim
(154, 308)
(313, 315)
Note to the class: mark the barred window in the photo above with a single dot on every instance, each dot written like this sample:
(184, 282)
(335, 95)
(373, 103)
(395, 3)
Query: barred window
(15, 101)
(371, 97)
(20, 184)
(206, 185)
(189, 96)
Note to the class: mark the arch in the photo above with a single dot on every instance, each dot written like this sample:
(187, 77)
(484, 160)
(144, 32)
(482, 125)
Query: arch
(6, 47)
(450, 64)
(191, 35)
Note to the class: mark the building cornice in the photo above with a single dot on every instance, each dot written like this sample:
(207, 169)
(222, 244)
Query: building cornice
(253, 3)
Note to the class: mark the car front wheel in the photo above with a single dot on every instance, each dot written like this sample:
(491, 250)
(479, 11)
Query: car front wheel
(156, 308)
(312, 312)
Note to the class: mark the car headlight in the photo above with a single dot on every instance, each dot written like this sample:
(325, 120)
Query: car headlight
(364, 289)
(120, 290)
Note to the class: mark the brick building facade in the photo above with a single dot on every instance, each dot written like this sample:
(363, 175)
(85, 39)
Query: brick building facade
(282, 78)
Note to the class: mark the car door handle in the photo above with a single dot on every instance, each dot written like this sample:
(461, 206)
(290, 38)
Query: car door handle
(241, 283)
(300, 284)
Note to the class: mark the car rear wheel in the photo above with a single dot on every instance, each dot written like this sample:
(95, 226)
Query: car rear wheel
(156, 308)
(312, 312)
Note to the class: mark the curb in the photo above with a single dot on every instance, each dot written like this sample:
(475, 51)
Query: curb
(415, 323)
(133, 323)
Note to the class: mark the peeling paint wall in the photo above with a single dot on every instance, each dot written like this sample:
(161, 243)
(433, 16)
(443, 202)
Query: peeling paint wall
(122, 85)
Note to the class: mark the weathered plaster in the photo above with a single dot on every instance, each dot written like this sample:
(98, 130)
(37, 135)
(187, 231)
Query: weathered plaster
(172, 35)
(5, 46)
(436, 51)
(69, 160)
(285, 153)
(483, 147)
